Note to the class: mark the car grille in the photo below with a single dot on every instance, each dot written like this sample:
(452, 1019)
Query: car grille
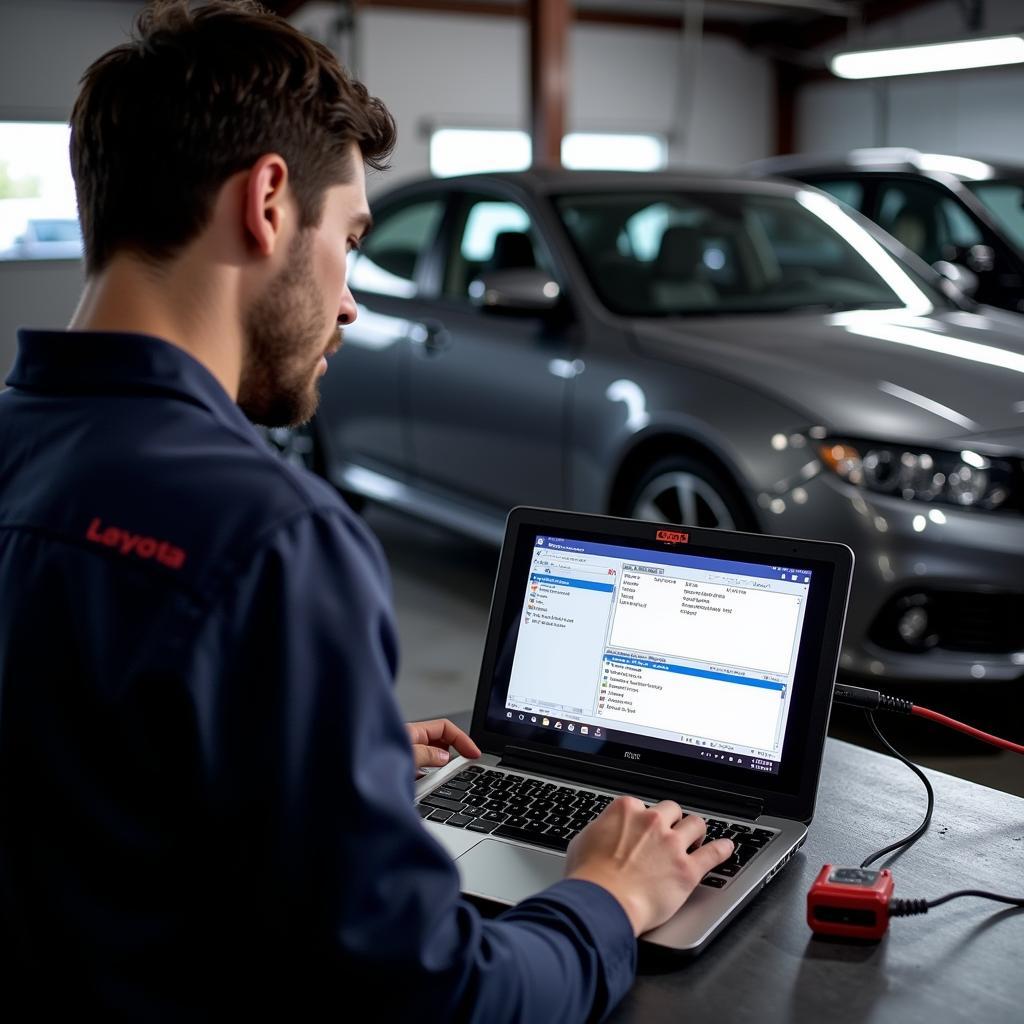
(972, 621)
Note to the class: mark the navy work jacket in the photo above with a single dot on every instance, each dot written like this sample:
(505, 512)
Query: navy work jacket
(206, 789)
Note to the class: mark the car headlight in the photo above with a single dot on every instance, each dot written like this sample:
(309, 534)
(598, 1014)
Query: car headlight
(964, 478)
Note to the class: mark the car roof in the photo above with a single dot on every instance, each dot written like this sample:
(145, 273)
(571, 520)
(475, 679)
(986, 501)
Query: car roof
(546, 181)
(889, 160)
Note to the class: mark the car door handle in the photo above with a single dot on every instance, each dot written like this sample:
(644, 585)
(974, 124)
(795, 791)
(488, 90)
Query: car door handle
(430, 337)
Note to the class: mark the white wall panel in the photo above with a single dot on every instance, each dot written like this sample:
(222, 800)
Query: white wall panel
(833, 117)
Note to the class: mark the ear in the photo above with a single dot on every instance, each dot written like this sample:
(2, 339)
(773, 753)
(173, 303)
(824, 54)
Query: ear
(266, 191)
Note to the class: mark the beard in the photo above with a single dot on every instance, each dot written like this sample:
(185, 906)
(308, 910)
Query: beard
(285, 336)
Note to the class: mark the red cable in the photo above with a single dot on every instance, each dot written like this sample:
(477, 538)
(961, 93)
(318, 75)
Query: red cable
(952, 723)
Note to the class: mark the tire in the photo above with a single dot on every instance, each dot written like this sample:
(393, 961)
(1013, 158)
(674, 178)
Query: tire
(301, 446)
(684, 490)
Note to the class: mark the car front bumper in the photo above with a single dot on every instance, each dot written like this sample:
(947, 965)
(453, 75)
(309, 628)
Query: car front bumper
(910, 550)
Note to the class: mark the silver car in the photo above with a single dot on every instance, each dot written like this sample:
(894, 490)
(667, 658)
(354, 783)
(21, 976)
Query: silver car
(732, 353)
(47, 238)
(964, 216)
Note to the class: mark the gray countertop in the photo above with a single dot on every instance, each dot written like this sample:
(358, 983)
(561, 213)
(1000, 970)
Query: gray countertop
(960, 961)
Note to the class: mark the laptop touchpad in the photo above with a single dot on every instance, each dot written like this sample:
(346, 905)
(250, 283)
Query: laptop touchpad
(501, 871)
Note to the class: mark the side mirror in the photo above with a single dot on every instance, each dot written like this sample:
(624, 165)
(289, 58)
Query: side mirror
(964, 280)
(522, 291)
(980, 258)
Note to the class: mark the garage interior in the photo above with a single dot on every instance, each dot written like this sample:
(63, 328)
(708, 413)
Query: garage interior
(711, 86)
(720, 83)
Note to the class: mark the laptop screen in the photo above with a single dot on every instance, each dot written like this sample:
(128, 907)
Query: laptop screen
(678, 651)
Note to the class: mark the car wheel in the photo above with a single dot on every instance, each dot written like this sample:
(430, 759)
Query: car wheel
(301, 446)
(680, 489)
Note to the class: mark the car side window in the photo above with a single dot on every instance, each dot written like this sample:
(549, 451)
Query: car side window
(845, 190)
(386, 263)
(495, 235)
(926, 220)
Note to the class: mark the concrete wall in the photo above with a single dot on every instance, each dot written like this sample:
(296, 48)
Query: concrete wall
(972, 113)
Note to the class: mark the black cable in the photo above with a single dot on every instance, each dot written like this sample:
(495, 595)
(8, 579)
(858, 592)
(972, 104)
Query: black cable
(870, 700)
(922, 828)
(1017, 901)
(905, 908)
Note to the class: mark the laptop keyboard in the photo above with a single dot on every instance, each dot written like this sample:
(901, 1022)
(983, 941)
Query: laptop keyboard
(545, 814)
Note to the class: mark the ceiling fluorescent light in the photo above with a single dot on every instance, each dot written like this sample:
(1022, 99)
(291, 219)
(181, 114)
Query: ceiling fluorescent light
(919, 60)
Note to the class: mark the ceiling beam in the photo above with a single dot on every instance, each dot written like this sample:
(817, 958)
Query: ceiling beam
(521, 9)
(823, 23)
(825, 29)
(637, 19)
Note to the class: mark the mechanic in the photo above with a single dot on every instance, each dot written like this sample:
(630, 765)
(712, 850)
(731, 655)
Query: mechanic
(207, 799)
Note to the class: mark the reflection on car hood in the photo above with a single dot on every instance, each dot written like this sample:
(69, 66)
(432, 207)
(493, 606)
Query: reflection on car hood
(874, 373)
(1007, 442)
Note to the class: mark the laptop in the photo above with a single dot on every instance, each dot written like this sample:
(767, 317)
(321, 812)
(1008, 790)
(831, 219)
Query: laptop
(625, 657)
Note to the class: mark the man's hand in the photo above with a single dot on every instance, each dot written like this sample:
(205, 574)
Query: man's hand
(640, 855)
(431, 740)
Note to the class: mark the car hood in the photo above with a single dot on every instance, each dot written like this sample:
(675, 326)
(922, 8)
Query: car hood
(880, 374)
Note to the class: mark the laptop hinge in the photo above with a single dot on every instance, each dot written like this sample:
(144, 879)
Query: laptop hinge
(640, 783)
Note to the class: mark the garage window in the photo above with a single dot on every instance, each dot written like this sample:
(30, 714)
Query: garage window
(473, 151)
(603, 151)
(38, 213)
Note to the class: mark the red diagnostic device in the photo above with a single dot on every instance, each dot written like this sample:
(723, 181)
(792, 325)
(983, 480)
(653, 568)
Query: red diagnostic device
(852, 902)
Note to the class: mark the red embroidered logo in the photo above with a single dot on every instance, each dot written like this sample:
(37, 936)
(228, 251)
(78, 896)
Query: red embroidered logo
(135, 544)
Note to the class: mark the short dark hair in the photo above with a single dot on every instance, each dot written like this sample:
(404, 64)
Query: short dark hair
(197, 95)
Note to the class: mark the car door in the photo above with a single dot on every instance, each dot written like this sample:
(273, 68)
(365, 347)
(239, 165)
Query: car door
(488, 390)
(365, 394)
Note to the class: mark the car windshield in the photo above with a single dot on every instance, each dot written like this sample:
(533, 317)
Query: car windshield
(709, 253)
(1005, 201)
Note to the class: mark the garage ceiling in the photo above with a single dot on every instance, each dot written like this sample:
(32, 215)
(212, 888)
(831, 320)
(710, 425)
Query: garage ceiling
(792, 25)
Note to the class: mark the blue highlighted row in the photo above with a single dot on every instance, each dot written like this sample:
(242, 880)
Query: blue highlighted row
(566, 581)
(762, 684)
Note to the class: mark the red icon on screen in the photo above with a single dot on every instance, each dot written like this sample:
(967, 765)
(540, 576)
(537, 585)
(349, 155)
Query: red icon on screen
(672, 536)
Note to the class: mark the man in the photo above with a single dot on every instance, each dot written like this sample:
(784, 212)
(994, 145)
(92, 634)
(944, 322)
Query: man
(206, 805)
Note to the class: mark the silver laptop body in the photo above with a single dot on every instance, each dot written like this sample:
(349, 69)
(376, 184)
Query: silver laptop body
(628, 658)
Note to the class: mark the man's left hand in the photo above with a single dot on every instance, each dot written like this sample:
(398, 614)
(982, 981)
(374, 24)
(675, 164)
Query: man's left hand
(431, 740)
